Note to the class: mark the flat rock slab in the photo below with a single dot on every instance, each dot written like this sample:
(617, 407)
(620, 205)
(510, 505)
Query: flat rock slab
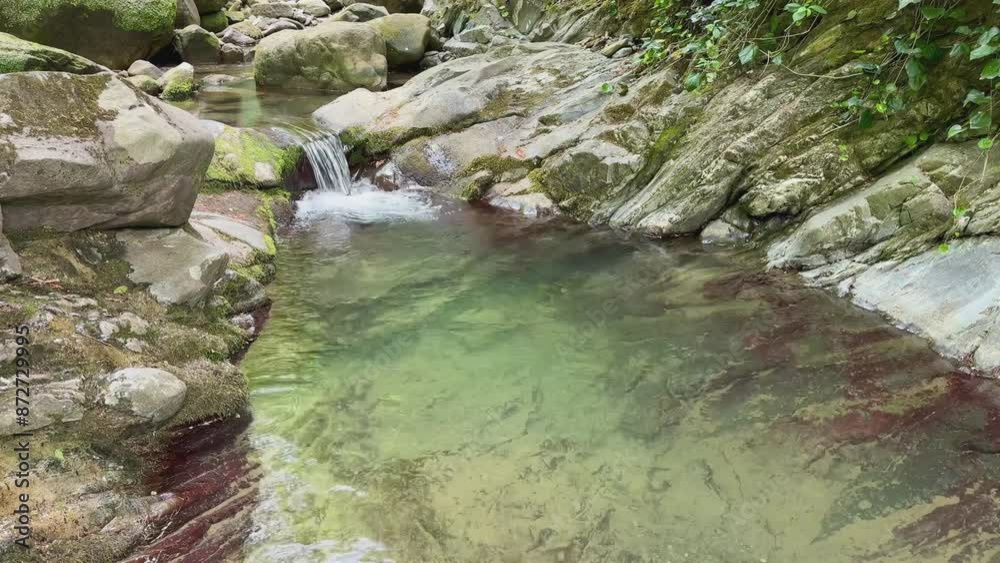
(238, 239)
(179, 267)
(950, 297)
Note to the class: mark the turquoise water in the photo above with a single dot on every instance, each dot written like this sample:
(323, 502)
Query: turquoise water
(466, 386)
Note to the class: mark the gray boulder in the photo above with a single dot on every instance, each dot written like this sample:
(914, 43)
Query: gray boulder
(457, 48)
(314, 8)
(210, 6)
(18, 55)
(145, 68)
(94, 152)
(393, 6)
(274, 10)
(151, 394)
(281, 25)
(179, 267)
(333, 57)
(197, 45)
(360, 12)
(187, 14)
(406, 37)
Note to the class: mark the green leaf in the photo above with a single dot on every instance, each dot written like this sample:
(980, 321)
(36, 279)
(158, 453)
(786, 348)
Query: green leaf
(910, 140)
(988, 35)
(985, 144)
(943, 248)
(851, 15)
(956, 129)
(975, 97)
(905, 3)
(981, 51)
(958, 212)
(916, 74)
(980, 120)
(606, 88)
(960, 51)
(991, 70)
(866, 119)
(800, 14)
(748, 53)
(904, 49)
(817, 9)
(932, 12)
(58, 454)
(693, 81)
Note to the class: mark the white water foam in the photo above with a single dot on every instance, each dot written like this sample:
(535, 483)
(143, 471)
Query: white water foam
(367, 204)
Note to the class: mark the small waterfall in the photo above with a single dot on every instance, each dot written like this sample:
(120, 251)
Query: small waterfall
(328, 158)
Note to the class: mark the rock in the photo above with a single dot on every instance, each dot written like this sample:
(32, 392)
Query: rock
(245, 28)
(179, 267)
(481, 34)
(93, 152)
(392, 6)
(187, 14)
(133, 323)
(390, 178)
(246, 322)
(178, 82)
(406, 37)
(236, 238)
(280, 25)
(151, 394)
(613, 47)
(231, 54)
(10, 262)
(434, 58)
(218, 80)
(111, 32)
(234, 36)
(274, 10)
(315, 8)
(458, 48)
(18, 55)
(520, 197)
(247, 158)
(722, 233)
(623, 53)
(197, 45)
(107, 329)
(51, 403)
(145, 68)
(146, 84)
(245, 294)
(360, 12)
(215, 22)
(210, 6)
(331, 57)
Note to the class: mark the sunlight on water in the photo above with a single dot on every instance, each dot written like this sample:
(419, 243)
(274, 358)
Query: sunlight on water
(480, 388)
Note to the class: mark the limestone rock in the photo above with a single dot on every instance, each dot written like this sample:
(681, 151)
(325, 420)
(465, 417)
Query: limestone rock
(332, 57)
(179, 267)
(111, 32)
(406, 37)
(18, 55)
(197, 45)
(151, 394)
(93, 152)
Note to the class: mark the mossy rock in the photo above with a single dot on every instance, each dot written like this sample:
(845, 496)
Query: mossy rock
(247, 158)
(215, 22)
(18, 55)
(178, 90)
(109, 32)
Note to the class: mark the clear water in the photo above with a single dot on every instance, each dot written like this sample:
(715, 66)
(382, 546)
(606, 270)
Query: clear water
(449, 384)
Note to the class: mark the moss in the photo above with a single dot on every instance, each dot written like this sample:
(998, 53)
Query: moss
(150, 16)
(618, 113)
(247, 147)
(496, 165)
(477, 187)
(86, 262)
(178, 90)
(39, 102)
(214, 22)
(374, 144)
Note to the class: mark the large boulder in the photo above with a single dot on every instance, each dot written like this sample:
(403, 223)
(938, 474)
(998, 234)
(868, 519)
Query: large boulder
(274, 10)
(109, 32)
(215, 22)
(360, 13)
(332, 57)
(247, 158)
(315, 8)
(93, 151)
(178, 83)
(197, 45)
(393, 6)
(406, 37)
(187, 14)
(18, 55)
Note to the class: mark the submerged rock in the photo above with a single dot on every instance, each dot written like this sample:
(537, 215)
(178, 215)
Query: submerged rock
(18, 55)
(111, 32)
(332, 57)
(94, 152)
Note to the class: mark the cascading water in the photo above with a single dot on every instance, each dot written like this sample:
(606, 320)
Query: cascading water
(354, 200)
(327, 155)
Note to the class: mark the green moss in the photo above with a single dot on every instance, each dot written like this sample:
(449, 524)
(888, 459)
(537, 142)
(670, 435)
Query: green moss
(237, 151)
(496, 165)
(178, 90)
(131, 15)
(374, 144)
(214, 22)
(618, 113)
(477, 187)
(39, 102)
